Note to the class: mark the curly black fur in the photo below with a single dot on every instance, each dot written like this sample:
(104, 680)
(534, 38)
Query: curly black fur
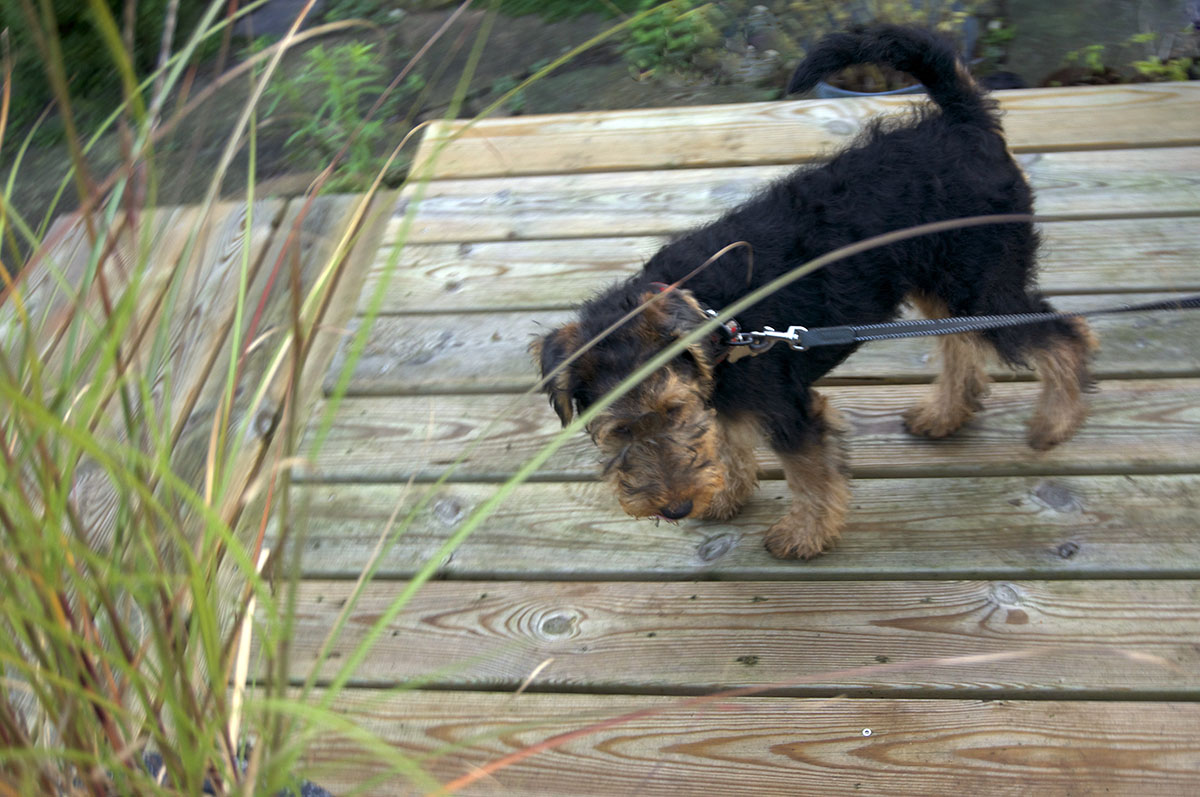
(944, 161)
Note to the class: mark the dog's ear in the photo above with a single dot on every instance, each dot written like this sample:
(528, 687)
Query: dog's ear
(676, 313)
(550, 351)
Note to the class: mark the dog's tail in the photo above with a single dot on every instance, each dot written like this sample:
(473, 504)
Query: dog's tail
(922, 54)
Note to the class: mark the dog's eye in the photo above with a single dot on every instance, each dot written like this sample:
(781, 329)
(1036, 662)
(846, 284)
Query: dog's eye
(673, 413)
(621, 430)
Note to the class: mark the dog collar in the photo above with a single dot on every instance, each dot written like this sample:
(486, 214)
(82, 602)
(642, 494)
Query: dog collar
(723, 335)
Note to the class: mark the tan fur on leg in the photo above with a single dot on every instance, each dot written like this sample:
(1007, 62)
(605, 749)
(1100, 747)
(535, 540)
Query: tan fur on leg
(739, 438)
(817, 478)
(1062, 368)
(958, 388)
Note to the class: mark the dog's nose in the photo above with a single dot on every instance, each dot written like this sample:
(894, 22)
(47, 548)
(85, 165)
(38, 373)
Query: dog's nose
(677, 511)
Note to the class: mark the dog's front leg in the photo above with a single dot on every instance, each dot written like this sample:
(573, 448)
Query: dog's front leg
(738, 437)
(818, 478)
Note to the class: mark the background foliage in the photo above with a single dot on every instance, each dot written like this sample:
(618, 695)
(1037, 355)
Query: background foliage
(89, 66)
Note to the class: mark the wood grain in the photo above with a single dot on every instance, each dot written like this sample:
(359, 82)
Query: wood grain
(1129, 116)
(49, 294)
(1135, 426)
(797, 638)
(313, 241)
(774, 746)
(1068, 185)
(1076, 257)
(193, 327)
(474, 353)
(993, 527)
(200, 320)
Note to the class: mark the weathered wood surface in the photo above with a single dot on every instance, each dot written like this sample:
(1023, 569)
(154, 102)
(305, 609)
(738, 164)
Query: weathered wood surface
(1151, 114)
(1069, 185)
(306, 246)
(1085, 559)
(55, 281)
(51, 296)
(1076, 257)
(775, 746)
(977, 527)
(197, 322)
(1135, 426)
(201, 317)
(489, 353)
(1084, 637)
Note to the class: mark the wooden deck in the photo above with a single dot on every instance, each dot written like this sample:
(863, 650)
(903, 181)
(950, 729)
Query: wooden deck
(993, 618)
(887, 660)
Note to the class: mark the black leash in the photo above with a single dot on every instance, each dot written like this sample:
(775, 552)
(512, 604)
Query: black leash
(801, 339)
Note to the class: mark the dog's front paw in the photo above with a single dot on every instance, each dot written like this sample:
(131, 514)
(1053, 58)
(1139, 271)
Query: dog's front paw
(730, 501)
(796, 536)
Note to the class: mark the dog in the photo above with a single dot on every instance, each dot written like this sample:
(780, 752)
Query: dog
(682, 443)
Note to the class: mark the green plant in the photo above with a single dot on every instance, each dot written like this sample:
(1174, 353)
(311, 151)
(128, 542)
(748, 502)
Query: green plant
(341, 82)
(1090, 57)
(553, 10)
(86, 59)
(120, 629)
(994, 43)
(375, 10)
(670, 35)
(508, 84)
(1166, 59)
(1156, 70)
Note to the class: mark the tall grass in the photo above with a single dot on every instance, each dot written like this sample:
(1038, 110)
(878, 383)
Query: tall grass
(135, 500)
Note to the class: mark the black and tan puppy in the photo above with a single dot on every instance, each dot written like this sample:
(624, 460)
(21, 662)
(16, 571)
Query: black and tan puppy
(682, 443)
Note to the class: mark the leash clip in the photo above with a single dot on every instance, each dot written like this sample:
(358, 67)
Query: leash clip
(760, 342)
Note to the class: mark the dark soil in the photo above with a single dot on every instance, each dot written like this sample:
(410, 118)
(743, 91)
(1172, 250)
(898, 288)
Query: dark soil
(596, 80)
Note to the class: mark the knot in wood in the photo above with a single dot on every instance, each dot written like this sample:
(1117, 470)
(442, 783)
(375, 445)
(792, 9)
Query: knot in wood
(840, 127)
(1067, 549)
(264, 422)
(715, 547)
(559, 624)
(1053, 495)
(1005, 594)
(448, 511)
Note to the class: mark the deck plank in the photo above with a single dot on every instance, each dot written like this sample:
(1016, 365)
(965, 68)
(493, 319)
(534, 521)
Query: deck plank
(474, 353)
(991, 527)
(782, 746)
(1076, 257)
(1135, 426)
(1068, 185)
(694, 638)
(1144, 115)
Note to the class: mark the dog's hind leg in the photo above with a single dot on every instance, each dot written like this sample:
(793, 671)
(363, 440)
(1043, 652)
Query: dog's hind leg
(818, 478)
(963, 381)
(1058, 351)
(1061, 363)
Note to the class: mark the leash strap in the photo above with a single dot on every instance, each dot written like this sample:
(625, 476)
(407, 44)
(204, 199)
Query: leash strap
(800, 339)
